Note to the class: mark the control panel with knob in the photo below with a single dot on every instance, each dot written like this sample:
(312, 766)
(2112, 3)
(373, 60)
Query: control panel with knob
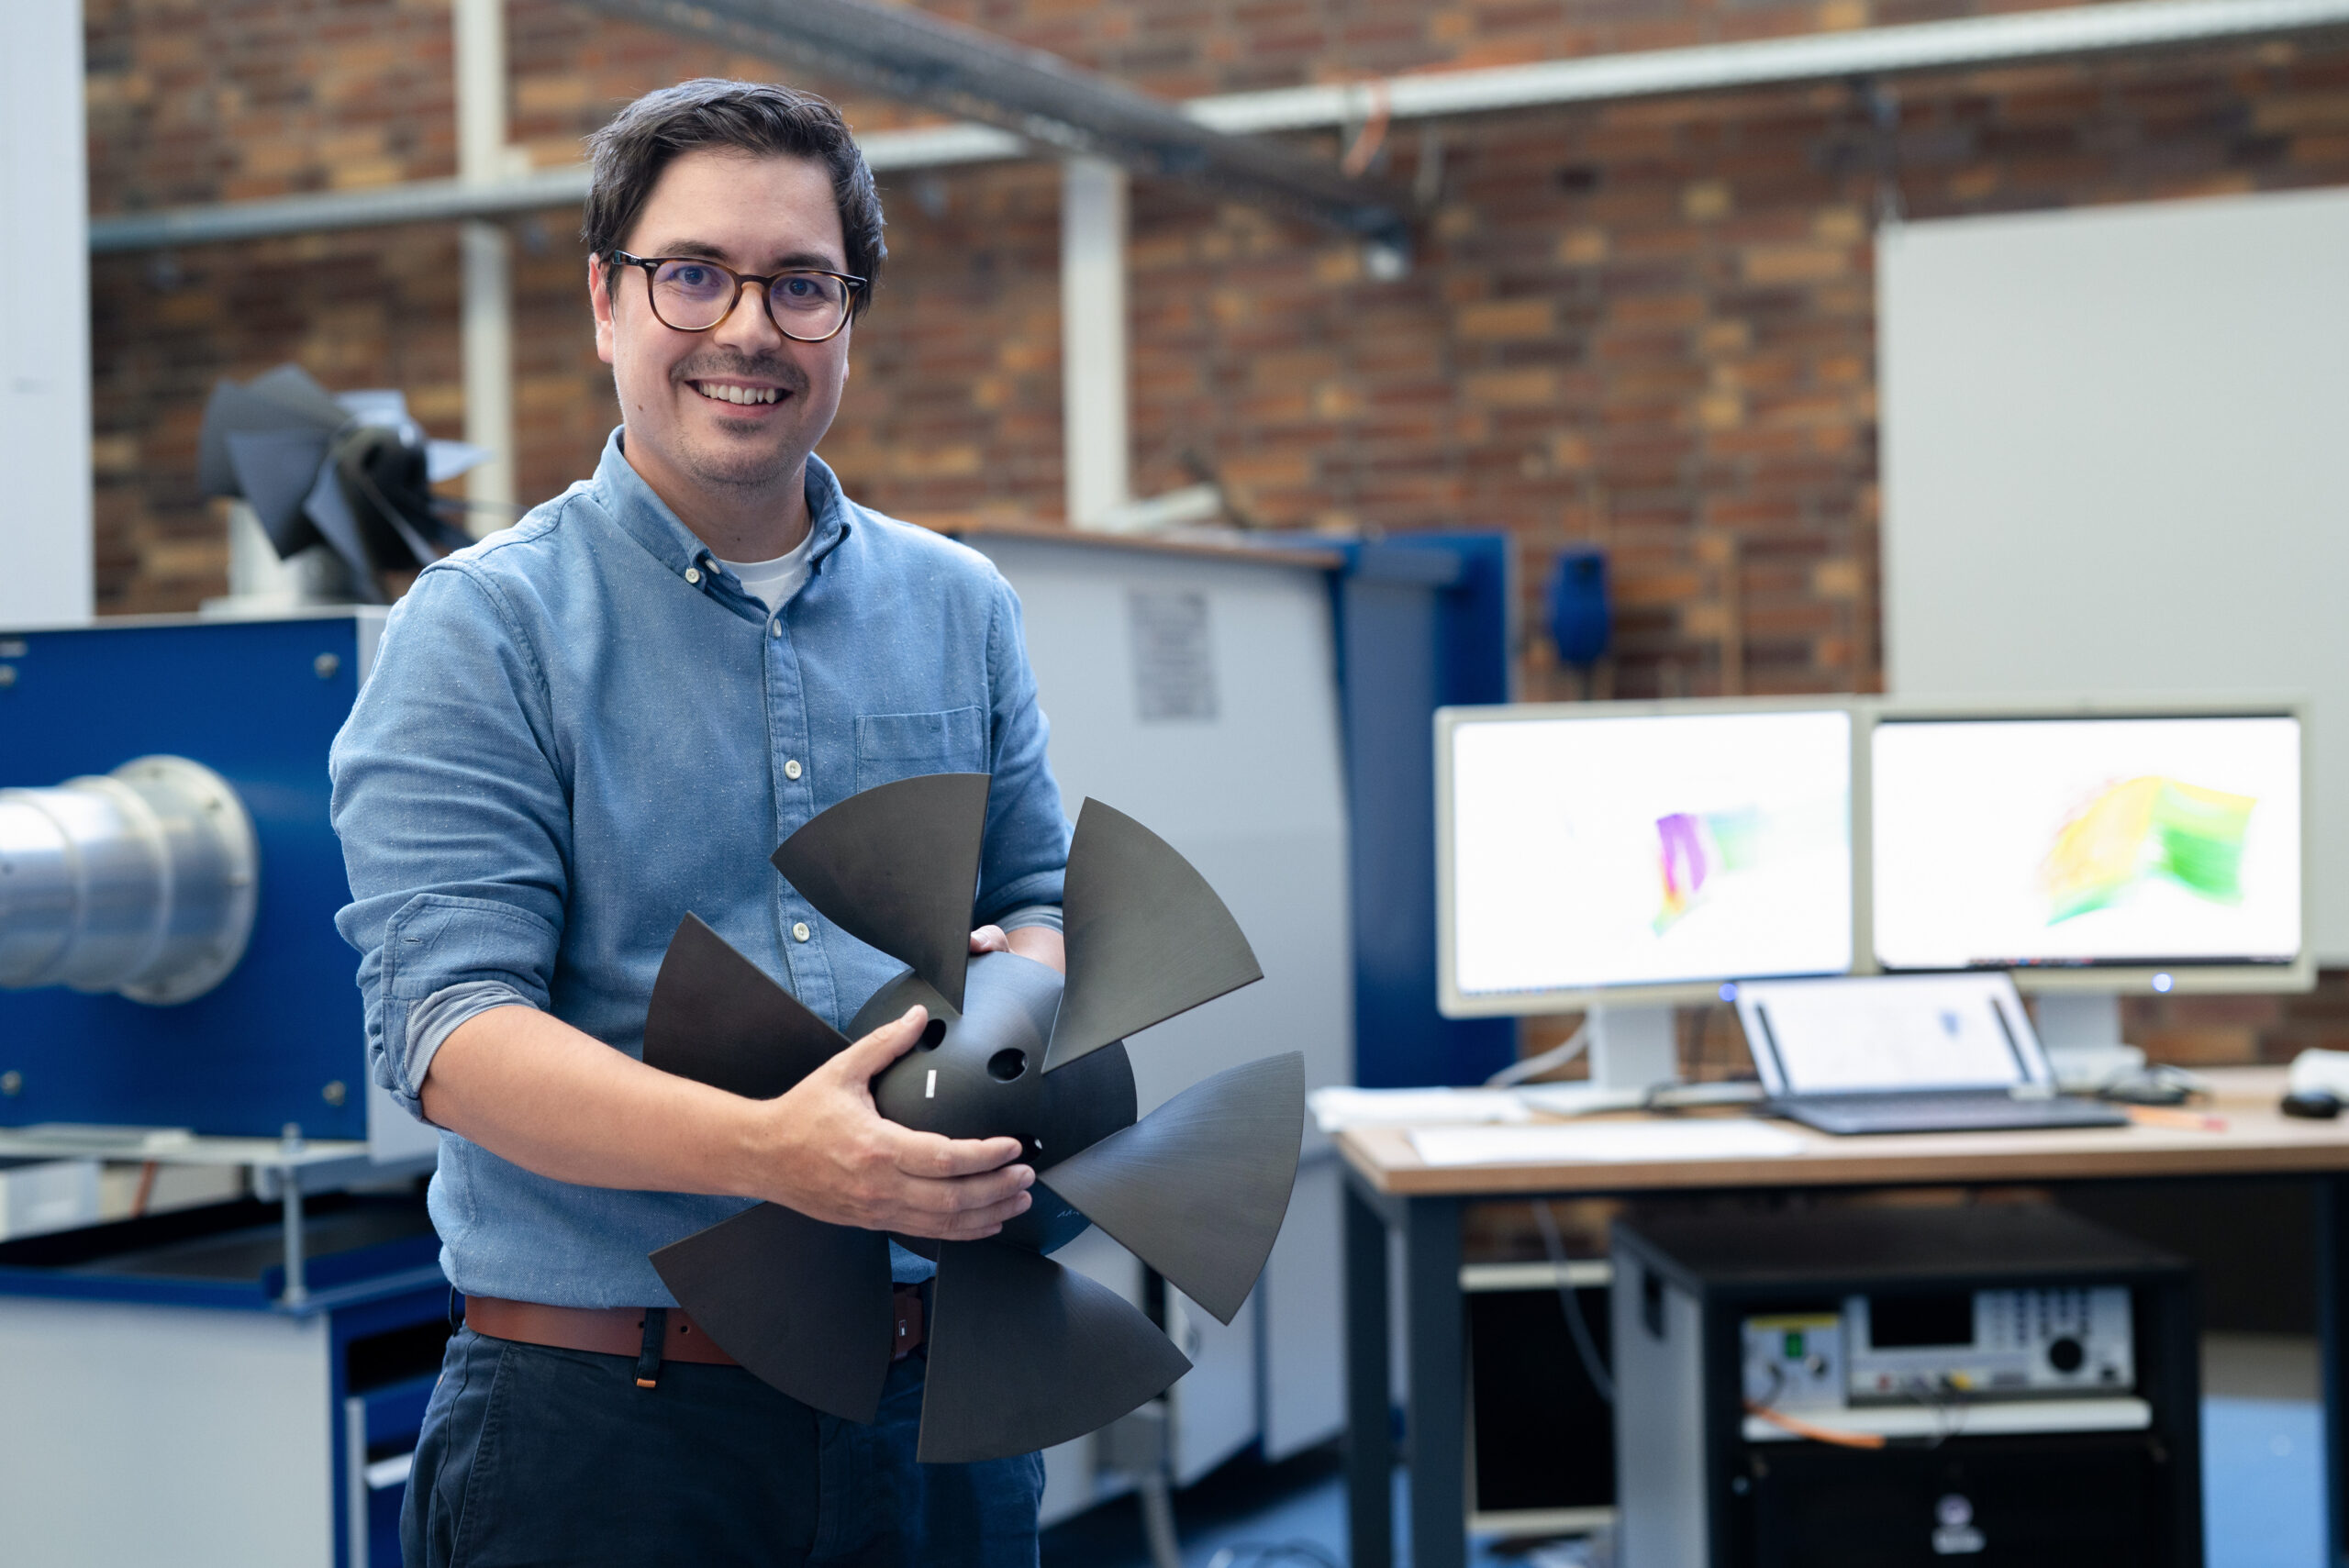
(1989, 1344)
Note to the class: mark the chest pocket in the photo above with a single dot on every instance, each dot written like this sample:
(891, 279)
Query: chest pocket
(891, 746)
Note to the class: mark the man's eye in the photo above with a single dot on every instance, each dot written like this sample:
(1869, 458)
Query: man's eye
(687, 274)
(802, 287)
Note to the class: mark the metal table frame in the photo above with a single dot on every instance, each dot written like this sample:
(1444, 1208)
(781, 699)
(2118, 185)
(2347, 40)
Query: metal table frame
(283, 1170)
(1434, 1416)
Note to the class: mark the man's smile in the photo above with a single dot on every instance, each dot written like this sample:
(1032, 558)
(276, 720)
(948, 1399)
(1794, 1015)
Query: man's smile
(739, 392)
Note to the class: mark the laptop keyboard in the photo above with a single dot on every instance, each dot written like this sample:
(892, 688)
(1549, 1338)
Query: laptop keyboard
(1958, 1111)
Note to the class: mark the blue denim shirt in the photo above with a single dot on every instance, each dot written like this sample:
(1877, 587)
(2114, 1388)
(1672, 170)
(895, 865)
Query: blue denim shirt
(581, 728)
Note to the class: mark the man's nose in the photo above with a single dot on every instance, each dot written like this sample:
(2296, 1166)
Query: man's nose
(750, 322)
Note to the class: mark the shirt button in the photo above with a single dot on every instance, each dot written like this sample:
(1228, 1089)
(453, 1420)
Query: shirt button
(791, 769)
(692, 574)
(800, 931)
(774, 627)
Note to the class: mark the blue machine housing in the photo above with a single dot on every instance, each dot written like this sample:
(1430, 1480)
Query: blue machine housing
(279, 1041)
(1423, 621)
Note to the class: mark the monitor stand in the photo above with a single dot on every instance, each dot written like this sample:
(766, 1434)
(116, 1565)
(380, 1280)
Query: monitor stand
(2081, 1033)
(1632, 1047)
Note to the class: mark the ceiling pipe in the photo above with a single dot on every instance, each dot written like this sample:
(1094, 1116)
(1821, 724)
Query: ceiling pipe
(1972, 43)
(915, 57)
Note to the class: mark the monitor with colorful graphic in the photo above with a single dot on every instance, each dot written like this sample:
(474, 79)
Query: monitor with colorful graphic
(1594, 849)
(2127, 840)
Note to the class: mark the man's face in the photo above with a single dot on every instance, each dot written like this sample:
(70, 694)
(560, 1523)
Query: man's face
(755, 214)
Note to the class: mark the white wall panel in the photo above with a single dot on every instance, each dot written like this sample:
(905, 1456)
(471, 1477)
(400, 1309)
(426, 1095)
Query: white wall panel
(2116, 460)
(45, 556)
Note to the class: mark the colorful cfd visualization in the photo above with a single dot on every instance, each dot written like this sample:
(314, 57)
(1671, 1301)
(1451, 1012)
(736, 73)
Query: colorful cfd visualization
(1696, 847)
(2146, 828)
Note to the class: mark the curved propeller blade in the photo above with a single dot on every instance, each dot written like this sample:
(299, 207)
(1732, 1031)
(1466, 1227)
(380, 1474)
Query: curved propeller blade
(896, 867)
(804, 1304)
(1147, 937)
(718, 1019)
(1197, 1188)
(1024, 1354)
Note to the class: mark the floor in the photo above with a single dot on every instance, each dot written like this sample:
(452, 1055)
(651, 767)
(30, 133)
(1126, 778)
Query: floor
(2263, 1491)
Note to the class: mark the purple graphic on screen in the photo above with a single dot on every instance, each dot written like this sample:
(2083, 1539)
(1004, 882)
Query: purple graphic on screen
(1682, 842)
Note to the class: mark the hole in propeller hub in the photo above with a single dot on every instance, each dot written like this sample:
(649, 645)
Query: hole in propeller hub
(1006, 1065)
(931, 1033)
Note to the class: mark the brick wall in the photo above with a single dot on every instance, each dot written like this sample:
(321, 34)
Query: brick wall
(1647, 325)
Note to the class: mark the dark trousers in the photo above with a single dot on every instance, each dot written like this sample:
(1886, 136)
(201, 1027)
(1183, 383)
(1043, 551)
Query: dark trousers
(542, 1456)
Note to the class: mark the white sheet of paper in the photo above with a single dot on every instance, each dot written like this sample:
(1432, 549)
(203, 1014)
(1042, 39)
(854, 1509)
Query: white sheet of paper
(1621, 1143)
(1341, 1106)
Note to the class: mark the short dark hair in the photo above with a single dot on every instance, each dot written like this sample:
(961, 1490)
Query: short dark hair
(759, 117)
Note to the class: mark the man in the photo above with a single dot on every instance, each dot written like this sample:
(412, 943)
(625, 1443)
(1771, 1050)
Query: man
(586, 727)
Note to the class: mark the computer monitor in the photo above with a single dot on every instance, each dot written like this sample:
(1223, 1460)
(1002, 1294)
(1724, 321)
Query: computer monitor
(1593, 854)
(2113, 850)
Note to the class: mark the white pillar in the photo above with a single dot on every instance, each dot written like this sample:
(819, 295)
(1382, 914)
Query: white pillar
(487, 249)
(1092, 339)
(46, 556)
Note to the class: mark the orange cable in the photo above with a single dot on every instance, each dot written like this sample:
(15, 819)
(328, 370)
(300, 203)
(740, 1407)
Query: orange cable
(1803, 1428)
(1372, 135)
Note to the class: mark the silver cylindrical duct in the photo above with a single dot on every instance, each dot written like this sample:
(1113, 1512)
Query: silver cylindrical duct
(141, 882)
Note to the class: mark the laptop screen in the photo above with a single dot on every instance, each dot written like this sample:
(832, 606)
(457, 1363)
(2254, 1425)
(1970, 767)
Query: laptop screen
(1891, 1032)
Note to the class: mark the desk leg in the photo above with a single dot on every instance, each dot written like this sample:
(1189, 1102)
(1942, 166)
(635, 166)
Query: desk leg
(1438, 1408)
(1370, 1438)
(2332, 1340)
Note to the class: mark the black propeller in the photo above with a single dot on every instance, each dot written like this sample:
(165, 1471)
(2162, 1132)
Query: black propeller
(1023, 1352)
(314, 471)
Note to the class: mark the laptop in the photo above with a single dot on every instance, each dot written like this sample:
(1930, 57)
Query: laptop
(1905, 1053)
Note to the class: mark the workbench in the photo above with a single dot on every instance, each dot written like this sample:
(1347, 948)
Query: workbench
(1392, 1192)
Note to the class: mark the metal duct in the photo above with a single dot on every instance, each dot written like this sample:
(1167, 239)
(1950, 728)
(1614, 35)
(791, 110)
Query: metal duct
(141, 881)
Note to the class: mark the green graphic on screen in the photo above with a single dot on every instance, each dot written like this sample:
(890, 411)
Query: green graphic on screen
(2145, 830)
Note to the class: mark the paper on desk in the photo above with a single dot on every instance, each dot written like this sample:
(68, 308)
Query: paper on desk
(1617, 1142)
(1340, 1106)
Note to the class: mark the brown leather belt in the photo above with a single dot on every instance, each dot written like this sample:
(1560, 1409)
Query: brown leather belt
(619, 1330)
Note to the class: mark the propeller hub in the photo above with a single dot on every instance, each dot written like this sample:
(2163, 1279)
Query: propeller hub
(980, 1072)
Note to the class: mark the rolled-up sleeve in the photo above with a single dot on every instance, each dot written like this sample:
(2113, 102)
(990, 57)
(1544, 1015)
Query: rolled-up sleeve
(1026, 838)
(449, 802)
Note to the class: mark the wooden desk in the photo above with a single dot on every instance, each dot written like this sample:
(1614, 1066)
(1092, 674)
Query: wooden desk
(1390, 1189)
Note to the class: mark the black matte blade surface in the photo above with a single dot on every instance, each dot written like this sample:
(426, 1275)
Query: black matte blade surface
(284, 399)
(329, 509)
(718, 1019)
(1197, 1188)
(804, 1304)
(275, 470)
(1024, 1354)
(897, 866)
(1147, 937)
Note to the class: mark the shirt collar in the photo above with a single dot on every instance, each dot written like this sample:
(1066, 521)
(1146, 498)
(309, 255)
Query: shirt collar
(647, 520)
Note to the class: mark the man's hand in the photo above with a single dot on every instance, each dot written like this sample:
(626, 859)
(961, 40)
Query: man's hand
(837, 1158)
(531, 1088)
(1040, 942)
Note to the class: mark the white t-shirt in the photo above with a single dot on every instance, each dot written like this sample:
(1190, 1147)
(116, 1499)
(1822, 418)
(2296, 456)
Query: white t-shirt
(775, 580)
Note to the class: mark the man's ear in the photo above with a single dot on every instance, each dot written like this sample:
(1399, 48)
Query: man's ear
(599, 300)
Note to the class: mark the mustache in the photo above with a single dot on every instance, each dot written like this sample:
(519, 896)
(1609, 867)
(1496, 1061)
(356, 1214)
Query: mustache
(750, 367)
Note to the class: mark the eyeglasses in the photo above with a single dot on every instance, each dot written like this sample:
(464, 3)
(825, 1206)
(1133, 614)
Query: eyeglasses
(690, 295)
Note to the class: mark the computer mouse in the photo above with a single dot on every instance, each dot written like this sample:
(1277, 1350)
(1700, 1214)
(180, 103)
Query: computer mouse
(2315, 1105)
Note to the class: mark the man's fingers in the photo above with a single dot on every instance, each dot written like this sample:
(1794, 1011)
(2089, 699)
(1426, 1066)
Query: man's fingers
(970, 1224)
(927, 1154)
(990, 939)
(977, 1224)
(866, 1057)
